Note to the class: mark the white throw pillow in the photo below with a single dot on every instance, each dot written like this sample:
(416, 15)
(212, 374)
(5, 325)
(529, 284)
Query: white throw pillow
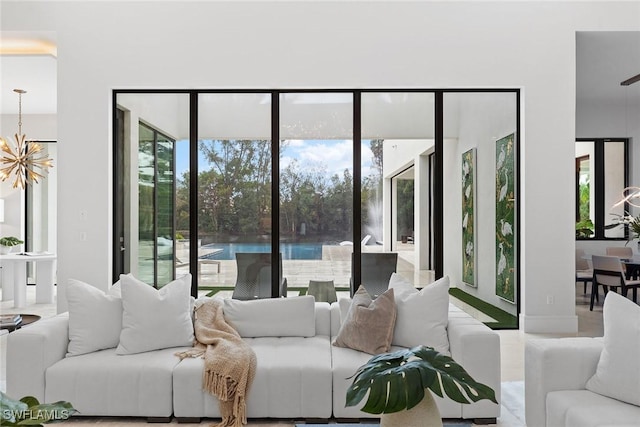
(155, 318)
(272, 317)
(95, 318)
(618, 373)
(422, 315)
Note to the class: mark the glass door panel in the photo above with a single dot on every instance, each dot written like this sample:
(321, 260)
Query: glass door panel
(146, 203)
(234, 193)
(165, 205)
(397, 138)
(316, 189)
(156, 195)
(149, 126)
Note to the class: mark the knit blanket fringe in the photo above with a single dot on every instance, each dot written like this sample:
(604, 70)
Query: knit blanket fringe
(229, 362)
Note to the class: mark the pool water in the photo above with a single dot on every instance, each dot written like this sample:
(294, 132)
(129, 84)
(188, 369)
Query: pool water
(289, 250)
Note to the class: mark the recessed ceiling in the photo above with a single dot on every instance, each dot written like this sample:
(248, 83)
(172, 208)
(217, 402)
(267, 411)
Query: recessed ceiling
(28, 62)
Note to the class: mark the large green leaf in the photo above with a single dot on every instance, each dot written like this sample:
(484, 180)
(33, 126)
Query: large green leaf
(396, 381)
(28, 411)
(10, 408)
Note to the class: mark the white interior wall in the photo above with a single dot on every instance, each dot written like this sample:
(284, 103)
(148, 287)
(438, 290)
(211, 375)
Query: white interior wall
(108, 45)
(614, 111)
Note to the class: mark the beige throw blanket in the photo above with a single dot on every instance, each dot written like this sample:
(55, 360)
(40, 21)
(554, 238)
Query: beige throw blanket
(229, 362)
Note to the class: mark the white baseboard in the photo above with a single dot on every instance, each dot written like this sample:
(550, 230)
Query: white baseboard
(550, 324)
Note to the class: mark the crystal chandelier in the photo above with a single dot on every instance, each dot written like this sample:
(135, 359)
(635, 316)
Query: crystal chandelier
(22, 161)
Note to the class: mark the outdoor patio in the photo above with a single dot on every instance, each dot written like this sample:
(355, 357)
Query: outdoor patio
(335, 265)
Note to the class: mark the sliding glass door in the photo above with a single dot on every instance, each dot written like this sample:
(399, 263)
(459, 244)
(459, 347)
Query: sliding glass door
(234, 186)
(156, 201)
(316, 188)
(334, 186)
(146, 212)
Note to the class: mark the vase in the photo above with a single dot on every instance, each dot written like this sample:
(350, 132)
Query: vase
(424, 414)
(4, 250)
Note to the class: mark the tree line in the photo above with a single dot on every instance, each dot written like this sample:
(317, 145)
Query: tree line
(234, 195)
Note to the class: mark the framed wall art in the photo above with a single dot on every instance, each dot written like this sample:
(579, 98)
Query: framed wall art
(505, 216)
(469, 217)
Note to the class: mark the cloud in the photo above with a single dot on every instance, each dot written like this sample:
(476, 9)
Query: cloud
(333, 155)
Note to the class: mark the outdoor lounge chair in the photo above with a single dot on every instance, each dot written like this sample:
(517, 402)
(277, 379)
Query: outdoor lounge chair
(254, 276)
(375, 272)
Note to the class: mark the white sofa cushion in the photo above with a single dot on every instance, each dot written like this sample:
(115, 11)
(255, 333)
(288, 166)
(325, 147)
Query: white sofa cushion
(422, 315)
(105, 384)
(95, 318)
(618, 371)
(582, 408)
(155, 318)
(293, 380)
(272, 317)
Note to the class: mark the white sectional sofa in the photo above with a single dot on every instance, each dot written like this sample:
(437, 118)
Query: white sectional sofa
(301, 377)
(556, 374)
(587, 382)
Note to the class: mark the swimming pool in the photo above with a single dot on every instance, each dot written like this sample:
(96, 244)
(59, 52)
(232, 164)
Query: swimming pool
(289, 250)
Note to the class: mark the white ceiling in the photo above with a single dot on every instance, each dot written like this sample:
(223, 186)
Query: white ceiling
(603, 60)
(37, 74)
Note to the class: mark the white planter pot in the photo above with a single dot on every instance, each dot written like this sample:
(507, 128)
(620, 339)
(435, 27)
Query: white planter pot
(424, 414)
(4, 250)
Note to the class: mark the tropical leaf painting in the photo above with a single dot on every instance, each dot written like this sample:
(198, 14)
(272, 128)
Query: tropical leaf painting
(468, 218)
(505, 215)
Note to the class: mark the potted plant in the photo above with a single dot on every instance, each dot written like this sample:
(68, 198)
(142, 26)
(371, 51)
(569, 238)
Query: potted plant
(633, 222)
(399, 386)
(28, 411)
(7, 244)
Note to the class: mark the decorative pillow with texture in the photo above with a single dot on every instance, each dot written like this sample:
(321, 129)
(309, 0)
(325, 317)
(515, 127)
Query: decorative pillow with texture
(368, 325)
(617, 375)
(95, 318)
(272, 317)
(422, 315)
(155, 318)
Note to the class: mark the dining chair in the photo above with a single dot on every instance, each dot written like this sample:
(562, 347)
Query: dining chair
(607, 272)
(376, 270)
(584, 272)
(254, 276)
(620, 251)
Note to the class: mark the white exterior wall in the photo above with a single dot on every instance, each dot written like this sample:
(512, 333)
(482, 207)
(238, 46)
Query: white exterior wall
(398, 155)
(108, 45)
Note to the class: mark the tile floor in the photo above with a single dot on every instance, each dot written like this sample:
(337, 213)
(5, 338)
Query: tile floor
(512, 353)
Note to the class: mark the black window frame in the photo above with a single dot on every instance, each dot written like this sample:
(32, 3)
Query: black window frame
(436, 214)
(599, 176)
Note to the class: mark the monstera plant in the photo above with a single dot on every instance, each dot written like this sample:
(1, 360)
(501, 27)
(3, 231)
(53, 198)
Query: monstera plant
(28, 411)
(399, 386)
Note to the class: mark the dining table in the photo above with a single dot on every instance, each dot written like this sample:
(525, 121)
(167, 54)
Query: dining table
(632, 267)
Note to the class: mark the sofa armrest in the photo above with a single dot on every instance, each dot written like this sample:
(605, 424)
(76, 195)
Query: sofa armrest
(556, 364)
(476, 347)
(31, 350)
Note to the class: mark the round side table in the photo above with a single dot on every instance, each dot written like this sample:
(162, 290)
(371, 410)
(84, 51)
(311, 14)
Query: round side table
(27, 319)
